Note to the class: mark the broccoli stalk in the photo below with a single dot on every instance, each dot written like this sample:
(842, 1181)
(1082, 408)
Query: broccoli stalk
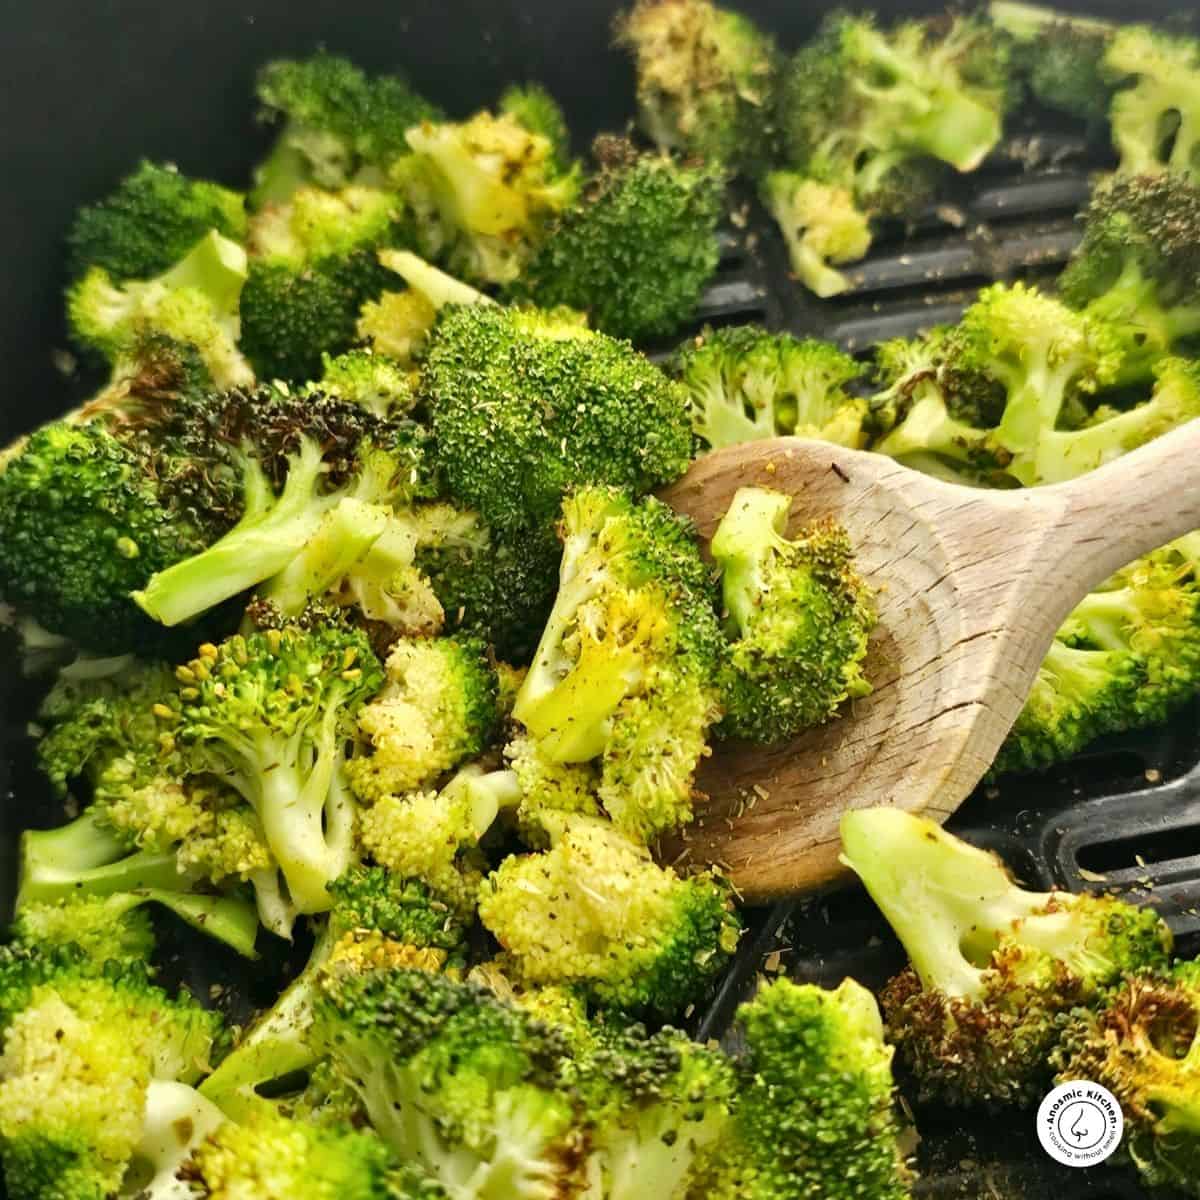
(176, 1121)
(272, 712)
(994, 967)
(86, 858)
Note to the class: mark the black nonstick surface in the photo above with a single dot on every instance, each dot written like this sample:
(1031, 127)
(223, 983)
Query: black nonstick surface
(87, 87)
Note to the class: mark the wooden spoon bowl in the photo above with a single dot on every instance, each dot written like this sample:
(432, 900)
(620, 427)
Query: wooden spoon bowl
(971, 586)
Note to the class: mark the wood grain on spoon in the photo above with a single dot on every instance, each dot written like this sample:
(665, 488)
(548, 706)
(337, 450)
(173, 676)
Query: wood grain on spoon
(971, 586)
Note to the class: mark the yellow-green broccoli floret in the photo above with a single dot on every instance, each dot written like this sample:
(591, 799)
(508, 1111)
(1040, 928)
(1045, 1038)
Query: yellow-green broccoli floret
(595, 911)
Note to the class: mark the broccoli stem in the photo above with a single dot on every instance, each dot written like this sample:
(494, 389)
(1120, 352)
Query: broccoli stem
(1036, 392)
(257, 548)
(929, 428)
(749, 531)
(275, 1046)
(1063, 454)
(177, 1119)
(346, 533)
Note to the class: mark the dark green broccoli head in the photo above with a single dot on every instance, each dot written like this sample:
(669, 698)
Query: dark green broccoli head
(799, 617)
(815, 1112)
(83, 524)
(150, 220)
(339, 124)
(638, 248)
(747, 383)
(403, 910)
(995, 968)
(500, 586)
(1143, 1044)
(1138, 266)
(705, 80)
(525, 405)
(455, 1079)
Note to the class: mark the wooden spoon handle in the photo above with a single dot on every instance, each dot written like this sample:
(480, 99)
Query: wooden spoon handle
(1126, 509)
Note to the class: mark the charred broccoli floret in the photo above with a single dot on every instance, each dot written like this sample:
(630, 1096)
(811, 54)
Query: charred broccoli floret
(746, 383)
(994, 967)
(595, 912)
(526, 404)
(1142, 1044)
(638, 248)
(799, 617)
(705, 80)
(150, 221)
(626, 670)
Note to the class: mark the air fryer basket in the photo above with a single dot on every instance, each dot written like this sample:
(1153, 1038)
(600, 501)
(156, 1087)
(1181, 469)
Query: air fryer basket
(90, 88)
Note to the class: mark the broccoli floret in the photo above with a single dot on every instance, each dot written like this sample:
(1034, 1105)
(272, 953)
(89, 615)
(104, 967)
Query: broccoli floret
(434, 836)
(746, 383)
(799, 616)
(534, 108)
(313, 265)
(483, 191)
(375, 381)
(83, 1044)
(626, 670)
(378, 918)
(1037, 354)
(527, 404)
(271, 713)
(815, 1111)
(1156, 110)
(194, 301)
(1142, 1044)
(638, 248)
(994, 967)
(85, 519)
(296, 457)
(548, 789)
(436, 710)
(596, 912)
(340, 126)
(273, 1158)
(1065, 454)
(656, 1104)
(1138, 266)
(823, 225)
(705, 80)
(498, 586)
(398, 323)
(456, 1080)
(153, 217)
(1060, 56)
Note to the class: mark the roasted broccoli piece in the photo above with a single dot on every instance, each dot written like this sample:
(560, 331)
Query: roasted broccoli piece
(436, 710)
(296, 457)
(272, 1158)
(150, 221)
(93, 1057)
(638, 248)
(380, 384)
(1142, 1044)
(526, 404)
(378, 918)
(865, 115)
(994, 967)
(746, 383)
(799, 616)
(483, 192)
(1060, 56)
(1155, 111)
(547, 790)
(626, 670)
(534, 108)
(194, 301)
(815, 1111)
(1138, 267)
(456, 1080)
(340, 126)
(705, 80)
(595, 912)
(313, 265)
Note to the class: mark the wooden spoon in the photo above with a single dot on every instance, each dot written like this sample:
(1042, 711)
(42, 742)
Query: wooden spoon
(971, 586)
